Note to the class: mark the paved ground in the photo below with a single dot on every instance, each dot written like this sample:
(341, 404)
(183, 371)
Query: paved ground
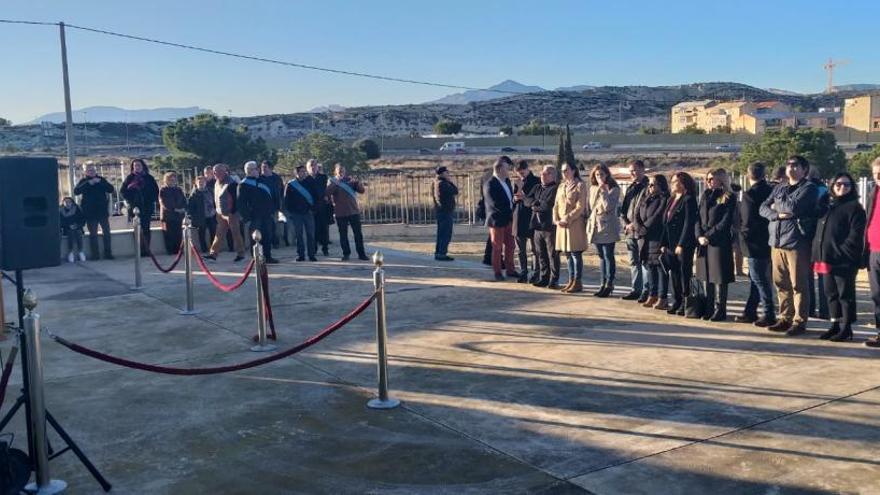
(506, 389)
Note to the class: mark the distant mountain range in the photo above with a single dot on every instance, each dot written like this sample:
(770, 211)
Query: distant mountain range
(327, 108)
(500, 90)
(857, 87)
(116, 114)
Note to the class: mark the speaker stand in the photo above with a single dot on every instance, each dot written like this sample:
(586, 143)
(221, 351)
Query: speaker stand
(23, 401)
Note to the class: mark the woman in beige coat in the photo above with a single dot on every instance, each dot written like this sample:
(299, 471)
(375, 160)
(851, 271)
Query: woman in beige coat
(568, 216)
(603, 224)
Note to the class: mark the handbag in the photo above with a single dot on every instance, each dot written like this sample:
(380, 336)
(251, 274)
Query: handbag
(696, 302)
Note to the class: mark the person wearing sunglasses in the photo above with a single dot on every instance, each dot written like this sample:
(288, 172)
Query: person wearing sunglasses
(872, 251)
(838, 249)
(714, 265)
(789, 209)
(649, 229)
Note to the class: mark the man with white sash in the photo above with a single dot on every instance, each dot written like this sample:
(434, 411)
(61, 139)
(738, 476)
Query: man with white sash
(226, 202)
(257, 207)
(342, 191)
(299, 202)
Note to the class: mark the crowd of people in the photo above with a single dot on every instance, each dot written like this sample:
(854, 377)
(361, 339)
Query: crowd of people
(224, 210)
(801, 239)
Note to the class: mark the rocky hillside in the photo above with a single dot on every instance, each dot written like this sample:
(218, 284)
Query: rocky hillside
(601, 109)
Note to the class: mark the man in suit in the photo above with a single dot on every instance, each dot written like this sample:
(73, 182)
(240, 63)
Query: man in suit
(628, 208)
(754, 238)
(541, 204)
(872, 241)
(525, 183)
(323, 210)
(498, 196)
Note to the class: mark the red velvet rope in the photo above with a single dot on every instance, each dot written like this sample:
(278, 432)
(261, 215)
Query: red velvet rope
(217, 283)
(173, 264)
(219, 369)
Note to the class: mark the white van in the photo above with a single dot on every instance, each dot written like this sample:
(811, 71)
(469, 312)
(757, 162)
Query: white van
(453, 146)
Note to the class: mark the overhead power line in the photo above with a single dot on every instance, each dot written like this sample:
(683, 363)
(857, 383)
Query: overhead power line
(548, 94)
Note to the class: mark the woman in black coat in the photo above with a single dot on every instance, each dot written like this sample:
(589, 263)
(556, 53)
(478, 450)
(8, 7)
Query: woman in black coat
(679, 241)
(837, 253)
(648, 224)
(715, 242)
(140, 190)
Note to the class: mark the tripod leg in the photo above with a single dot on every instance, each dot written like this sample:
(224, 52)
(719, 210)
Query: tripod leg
(79, 453)
(6, 419)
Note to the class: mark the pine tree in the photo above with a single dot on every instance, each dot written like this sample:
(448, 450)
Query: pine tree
(569, 152)
(560, 155)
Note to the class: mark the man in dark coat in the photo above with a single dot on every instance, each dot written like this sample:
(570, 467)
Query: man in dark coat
(276, 184)
(444, 193)
(323, 208)
(754, 239)
(628, 208)
(872, 248)
(95, 206)
(541, 203)
(524, 186)
(299, 202)
(256, 206)
(498, 196)
(790, 208)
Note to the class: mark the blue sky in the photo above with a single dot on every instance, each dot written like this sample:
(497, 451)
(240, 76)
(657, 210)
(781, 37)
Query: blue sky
(780, 44)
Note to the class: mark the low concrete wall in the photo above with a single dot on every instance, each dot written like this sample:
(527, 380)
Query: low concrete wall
(123, 240)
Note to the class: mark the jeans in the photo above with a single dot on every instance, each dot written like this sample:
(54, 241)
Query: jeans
(759, 288)
(575, 265)
(74, 241)
(266, 226)
(638, 274)
(342, 224)
(874, 280)
(607, 265)
(304, 222)
(445, 221)
(92, 224)
(659, 286)
(548, 256)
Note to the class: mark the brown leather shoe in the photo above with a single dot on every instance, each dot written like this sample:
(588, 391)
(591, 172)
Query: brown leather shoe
(567, 286)
(663, 305)
(651, 302)
(576, 287)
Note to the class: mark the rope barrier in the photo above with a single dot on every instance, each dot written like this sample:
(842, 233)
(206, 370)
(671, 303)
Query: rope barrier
(173, 263)
(217, 283)
(219, 369)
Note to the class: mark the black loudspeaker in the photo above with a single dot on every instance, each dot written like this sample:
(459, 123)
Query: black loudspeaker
(30, 232)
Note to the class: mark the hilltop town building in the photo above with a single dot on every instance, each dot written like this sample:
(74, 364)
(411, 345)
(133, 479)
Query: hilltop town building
(747, 116)
(862, 113)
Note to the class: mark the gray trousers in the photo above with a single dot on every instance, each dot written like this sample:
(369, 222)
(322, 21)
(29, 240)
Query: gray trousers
(304, 223)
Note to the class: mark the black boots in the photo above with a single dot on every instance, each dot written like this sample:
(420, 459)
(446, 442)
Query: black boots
(831, 332)
(843, 335)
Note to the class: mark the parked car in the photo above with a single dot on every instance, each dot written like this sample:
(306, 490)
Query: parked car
(453, 146)
(594, 145)
(425, 151)
(864, 146)
(725, 147)
(508, 149)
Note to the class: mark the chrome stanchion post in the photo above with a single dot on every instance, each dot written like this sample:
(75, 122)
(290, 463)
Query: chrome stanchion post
(262, 343)
(136, 218)
(43, 484)
(383, 401)
(188, 265)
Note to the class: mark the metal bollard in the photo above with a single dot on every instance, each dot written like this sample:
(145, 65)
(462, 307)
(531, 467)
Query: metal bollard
(188, 266)
(382, 402)
(262, 343)
(43, 484)
(136, 217)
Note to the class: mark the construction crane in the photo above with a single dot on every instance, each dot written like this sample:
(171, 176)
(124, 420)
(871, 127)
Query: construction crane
(829, 67)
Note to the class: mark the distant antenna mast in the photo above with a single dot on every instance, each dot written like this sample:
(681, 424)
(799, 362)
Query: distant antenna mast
(829, 67)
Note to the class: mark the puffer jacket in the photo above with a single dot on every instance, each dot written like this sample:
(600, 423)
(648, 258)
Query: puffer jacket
(840, 233)
(799, 201)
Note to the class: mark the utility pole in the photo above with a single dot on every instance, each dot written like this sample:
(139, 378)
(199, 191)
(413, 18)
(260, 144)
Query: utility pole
(68, 128)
